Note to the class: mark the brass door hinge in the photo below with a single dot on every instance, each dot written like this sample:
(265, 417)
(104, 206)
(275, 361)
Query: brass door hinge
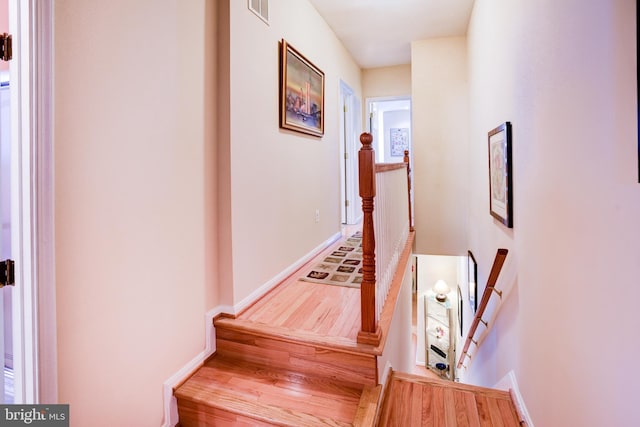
(7, 273)
(6, 47)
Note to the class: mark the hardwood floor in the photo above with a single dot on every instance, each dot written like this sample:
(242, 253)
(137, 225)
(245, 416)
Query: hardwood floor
(332, 312)
(292, 359)
(419, 401)
(271, 394)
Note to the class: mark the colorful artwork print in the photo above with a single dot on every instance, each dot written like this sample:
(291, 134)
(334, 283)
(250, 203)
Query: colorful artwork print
(500, 180)
(399, 141)
(302, 93)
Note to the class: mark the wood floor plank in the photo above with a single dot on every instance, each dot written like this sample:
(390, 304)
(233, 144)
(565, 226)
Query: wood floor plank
(460, 408)
(437, 406)
(494, 412)
(450, 415)
(471, 409)
(389, 403)
(415, 400)
(482, 405)
(427, 406)
(404, 404)
(509, 414)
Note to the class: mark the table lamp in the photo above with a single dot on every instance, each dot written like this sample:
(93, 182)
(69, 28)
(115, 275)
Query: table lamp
(441, 290)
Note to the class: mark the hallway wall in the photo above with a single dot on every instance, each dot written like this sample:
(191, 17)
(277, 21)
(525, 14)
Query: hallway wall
(134, 201)
(564, 74)
(279, 178)
(170, 175)
(440, 116)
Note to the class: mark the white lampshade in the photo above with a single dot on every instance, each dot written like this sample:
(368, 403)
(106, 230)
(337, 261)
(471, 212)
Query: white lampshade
(441, 289)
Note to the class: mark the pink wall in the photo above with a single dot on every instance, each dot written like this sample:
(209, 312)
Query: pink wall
(135, 200)
(564, 74)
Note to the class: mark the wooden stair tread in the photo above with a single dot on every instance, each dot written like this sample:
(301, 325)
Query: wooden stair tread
(270, 395)
(368, 407)
(415, 401)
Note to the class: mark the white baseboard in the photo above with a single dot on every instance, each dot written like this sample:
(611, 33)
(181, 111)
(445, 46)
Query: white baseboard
(170, 403)
(510, 384)
(385, 373)
(255, 295)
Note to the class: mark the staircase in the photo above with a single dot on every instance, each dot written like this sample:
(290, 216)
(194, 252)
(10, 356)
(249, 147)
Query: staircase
(264, 376)
(293, 359)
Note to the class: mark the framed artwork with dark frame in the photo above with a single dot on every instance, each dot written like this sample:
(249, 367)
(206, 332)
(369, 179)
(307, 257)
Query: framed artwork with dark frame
(301, 93)
(460, 310)
(500, 175)
(472, 280)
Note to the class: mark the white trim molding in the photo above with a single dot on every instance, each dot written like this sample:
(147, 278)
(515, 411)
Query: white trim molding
(31, 21)
(510, 384)
(43, 192)
(170, 404)
(262, 290)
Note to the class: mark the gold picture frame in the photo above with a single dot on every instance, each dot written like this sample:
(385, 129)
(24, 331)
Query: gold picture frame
(301, 93)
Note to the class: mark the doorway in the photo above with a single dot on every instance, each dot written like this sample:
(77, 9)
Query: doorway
(350, 128)
(440, 332)
(390, 124)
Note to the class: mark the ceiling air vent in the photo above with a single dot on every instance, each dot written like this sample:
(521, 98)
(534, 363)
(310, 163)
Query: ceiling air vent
(260, 8)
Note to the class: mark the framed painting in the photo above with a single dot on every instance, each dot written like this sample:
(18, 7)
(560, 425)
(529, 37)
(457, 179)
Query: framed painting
(472, 280)
(301, 93)
(460, 310)
(399, 141)
(500, 176)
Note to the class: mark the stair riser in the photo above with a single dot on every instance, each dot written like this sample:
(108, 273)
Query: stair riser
(304, 358)
(198, 415)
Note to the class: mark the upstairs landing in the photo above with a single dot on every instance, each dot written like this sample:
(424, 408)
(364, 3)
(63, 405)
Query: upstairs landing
(292, 359)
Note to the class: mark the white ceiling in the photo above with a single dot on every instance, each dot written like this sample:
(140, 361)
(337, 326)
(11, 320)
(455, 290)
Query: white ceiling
(379, 33)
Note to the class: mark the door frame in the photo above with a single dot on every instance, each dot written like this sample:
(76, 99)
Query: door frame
(34, 344)
(382, 100)
(350, 125)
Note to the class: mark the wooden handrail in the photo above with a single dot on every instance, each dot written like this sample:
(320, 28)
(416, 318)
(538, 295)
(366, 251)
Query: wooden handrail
(386, 167)
(486, 295)
(406, 162)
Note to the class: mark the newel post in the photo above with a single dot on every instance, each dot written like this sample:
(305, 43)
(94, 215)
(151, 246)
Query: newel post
(406, 162)
(369, 333)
